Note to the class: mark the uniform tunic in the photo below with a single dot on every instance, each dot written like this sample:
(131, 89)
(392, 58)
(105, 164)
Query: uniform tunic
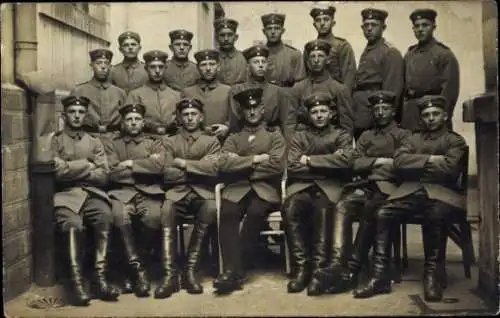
(325, 166)
(430, 69)
(180, 74)
(285, 65)
(233, 68)
(381, 67)
(129, 76)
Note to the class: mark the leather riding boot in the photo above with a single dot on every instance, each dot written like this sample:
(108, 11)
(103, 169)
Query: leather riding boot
(433, 290)
(443, 277)
(380, 283)
(74, 242)
(102, 288)
(170, 280)
(137, 270)
(319, 250)
(228, 282)
(190, 280)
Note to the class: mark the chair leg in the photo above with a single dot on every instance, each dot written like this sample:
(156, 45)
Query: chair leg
(397, 268)
(405, 245)
(288, 268)
(468, 257)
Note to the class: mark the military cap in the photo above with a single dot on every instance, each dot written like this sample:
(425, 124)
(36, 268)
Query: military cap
(207, 54)
(180, 35)
(129, 35)
(224, 23)
(319, 98)
(75, 100)
(371, 13)
(249, 97)
(189, 103)
(100, 53)
(155, 55)
(330, 10)
(256, 50)
(431, 101)
(428, 14)
(273, 18)
(382, 97)
(132, 108)
(317, 45)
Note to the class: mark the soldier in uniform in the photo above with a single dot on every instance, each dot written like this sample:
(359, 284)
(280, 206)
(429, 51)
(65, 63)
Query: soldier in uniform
(274, 99)
(233, 65)
(136, 168)
(373, 163)
(431, 68)
(103, 119)
(81, 170)
(285, 63)
(319, 151)
(190, 169)
(380, 68)
(158, 97)
(341, 61)
(130, 73)
(251, 164)
(213, 94)
(180, 71)
(319, 79)
(429, 162)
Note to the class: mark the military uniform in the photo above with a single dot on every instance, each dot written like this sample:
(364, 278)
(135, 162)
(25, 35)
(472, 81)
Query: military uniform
(180, 73)
(328, 152)
(430, 69)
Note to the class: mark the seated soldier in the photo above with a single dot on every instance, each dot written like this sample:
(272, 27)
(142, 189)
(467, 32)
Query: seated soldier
(81, 170)
(135, 163)
(318, 163)
(373, 162)
(251, 164)
(190, 170)
(429, 162)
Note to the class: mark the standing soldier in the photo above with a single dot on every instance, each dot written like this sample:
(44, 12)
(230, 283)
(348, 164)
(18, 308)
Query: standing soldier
(180, 71)
(380, 68)
(158, 98)
(190, 168)
(233, 65)
(252, 163)
(81, 170)
(341, 62)
(103, 119)
(431, 68)
(213, 94)
(285, 63)
(130, 73)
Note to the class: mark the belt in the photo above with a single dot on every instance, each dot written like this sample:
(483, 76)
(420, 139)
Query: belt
(101, 129)
(368, 87)
(412, 94)
(283, 83)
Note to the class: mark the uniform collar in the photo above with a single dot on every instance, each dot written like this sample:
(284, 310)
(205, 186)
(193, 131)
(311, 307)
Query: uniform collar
(137, 139)
(208, 85)
(99, 84)
(275, 47)
(374, 45)
(386, 129)
(180, 63)
(190, 135)
(426, 46)
(73, 133)
(156, 86)
(254, 129)
(432, 135)
(131, 64)
(228, 54)
(255, 81)
(320, 77)
(321, 132)
(329, 37)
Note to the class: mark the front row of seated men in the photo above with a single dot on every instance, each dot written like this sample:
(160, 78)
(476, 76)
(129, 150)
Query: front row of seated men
(137, 178)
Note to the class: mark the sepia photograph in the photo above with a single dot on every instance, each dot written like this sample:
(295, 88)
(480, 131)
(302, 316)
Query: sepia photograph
(250, 158)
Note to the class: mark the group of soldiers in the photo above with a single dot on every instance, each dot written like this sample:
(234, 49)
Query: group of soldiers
(146, 143)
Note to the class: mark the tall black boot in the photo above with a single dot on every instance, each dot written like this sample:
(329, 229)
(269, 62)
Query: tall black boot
(190, 280)
(136, 267)
(74, 243)
(433, 290)
(319, 250)
(170, 280)
(443, 276)
(102, 288)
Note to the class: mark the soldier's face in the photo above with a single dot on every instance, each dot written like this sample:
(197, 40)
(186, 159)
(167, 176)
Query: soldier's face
(155, 70)
(130, 48)
(101, 68)
(423, 29)
(316, 60)
(253, 115)
(74, 115)
(180, 48)
(273, 32)
(372, 29)
(208, 69)
(433, 118)
(383, 113)
(320, 116)
(226, 38)
(133, 123)
(323, 24)
(191, 119)
(258, 66)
